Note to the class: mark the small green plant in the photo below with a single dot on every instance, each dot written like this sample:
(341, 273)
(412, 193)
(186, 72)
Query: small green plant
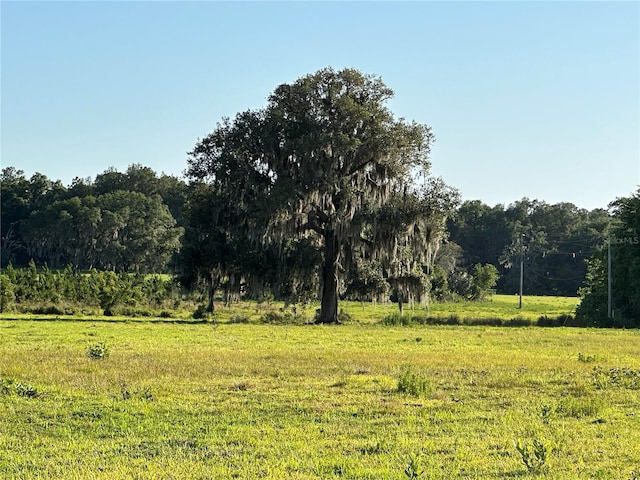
(586, 358)
(546, 413)
(579, 407)
(534, 455)
(376, 448)
(26, 390)
(9, 386)
(626, 378)
(98, 351)
(144, 394)
(6, 386)
(413, 383)
(413, 469)
(241, 386)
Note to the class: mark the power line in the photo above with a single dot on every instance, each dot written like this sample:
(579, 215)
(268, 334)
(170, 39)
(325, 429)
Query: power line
(542, 275)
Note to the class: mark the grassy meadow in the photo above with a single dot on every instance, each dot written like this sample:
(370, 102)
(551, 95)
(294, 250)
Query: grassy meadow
(90, 399)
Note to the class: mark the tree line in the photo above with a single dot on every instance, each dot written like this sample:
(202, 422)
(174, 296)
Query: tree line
(551, 242)
(124, 222)
(323, 193)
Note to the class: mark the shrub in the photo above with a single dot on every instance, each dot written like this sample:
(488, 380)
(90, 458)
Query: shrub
(453, 320)
(272, 317)
(413, 383)
(239, 319)
(9, 386)
(586, 358)
(26, 390)
(201, 313)
(98, 351)
(396, 320)
(7, 295)
(49, 310)
(559, 321)
(286, 318)
(144, 394)
(493, 322)
(518, 322)
(534, 455)
(616, 377)
(6, 386)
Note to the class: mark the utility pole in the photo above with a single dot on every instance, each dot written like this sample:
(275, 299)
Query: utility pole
(521, 269)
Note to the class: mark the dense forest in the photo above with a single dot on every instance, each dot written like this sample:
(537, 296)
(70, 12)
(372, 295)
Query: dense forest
(322, 194)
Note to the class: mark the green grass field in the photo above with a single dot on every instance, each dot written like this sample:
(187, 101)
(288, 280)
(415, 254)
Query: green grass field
(358, 401)
(498, 306)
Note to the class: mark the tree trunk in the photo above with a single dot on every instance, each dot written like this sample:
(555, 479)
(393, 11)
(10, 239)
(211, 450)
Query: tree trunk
(329, 303)
(211, 290)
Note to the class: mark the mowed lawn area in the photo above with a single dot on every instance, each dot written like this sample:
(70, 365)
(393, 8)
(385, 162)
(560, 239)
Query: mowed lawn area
(96, 399)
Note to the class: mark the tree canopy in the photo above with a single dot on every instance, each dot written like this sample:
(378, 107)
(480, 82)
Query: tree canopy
(119, 222)
(623, 247)
(554, 239)
(322, 153)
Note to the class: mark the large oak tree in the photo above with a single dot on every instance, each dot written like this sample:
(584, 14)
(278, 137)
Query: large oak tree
(323, 150)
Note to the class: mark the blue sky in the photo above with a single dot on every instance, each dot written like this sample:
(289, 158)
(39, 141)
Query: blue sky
(526, 99)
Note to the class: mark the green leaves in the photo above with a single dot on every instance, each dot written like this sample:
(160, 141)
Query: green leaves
(625, 271)
(534, 454)
(312, 165)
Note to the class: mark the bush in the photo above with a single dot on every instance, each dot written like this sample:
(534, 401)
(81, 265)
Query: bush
(49, 310)
(26, 390)
(484, 280)
(534, 455)
(285, 318)
(559, 321)
(201, 313)
(518, 322)
(9, 386)
(413, 383)
(7, 295)
(47, 292)
(453, 320)
(396, 320)
(98, 351)
(239, 319)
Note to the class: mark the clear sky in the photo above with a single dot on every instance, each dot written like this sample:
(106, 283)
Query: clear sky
(526, 99)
